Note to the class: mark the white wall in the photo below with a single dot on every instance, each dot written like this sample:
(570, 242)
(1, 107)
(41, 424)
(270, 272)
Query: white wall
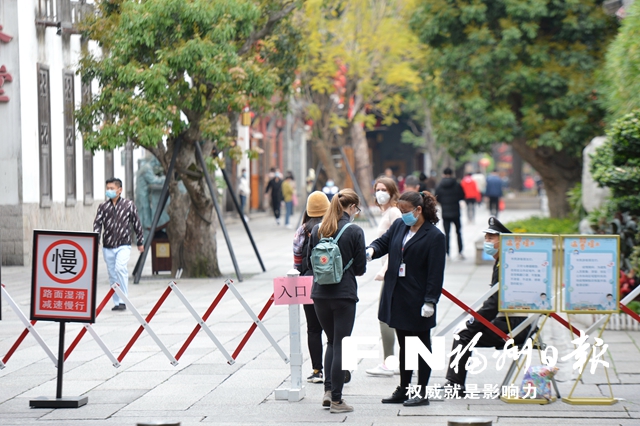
(48, 48)
(10, 111)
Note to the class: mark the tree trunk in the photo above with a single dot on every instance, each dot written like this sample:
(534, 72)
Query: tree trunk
(438, 154)
(516, 175)
(363, 170)
(559, 172)
(193, 241)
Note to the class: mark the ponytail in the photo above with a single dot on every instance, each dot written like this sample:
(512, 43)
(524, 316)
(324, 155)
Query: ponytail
(341, 201)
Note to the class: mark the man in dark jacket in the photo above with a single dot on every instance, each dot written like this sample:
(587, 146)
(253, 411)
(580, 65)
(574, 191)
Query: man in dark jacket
(275, 186)
(457, 375)
(494, 192)
(449, 194)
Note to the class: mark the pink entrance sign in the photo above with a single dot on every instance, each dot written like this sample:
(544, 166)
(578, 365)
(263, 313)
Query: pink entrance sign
(292, 290)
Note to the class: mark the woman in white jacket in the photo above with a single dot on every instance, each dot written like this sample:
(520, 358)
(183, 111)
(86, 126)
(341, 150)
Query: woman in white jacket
(386, 192)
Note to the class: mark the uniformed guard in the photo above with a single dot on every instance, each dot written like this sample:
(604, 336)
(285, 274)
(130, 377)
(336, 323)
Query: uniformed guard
(456, 375)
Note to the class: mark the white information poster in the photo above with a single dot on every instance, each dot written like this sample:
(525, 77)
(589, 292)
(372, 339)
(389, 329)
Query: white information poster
(527, 273)
(590, 274)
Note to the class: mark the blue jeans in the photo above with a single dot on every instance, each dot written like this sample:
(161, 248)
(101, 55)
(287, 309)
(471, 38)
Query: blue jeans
(289, 212)
(243, 203)
(116, 260)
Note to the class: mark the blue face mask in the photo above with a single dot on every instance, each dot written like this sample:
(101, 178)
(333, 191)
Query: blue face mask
(111, 194)
(409, 219)
(489, 248)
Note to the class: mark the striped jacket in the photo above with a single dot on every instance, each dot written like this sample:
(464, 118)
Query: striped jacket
(117, 221)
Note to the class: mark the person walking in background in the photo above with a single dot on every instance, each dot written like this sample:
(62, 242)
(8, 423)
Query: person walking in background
(449, 194)
(412, 285)
(481, 183)
(114, 219)
(432, 183)
(388, 172)
(336, 303)
(317, 205)
(423, 182)
(387, 199)
(494, 192)
(471, 195)
(275, 188)
(244, 190)
(330, 189)
(411, 183)
(288, 191)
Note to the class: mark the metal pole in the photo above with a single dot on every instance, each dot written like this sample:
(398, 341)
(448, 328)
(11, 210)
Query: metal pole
(162, 202)
(212, 191)
(297, 390)
(244, 222)
(356, 186)
(60, 360)
(313, 188)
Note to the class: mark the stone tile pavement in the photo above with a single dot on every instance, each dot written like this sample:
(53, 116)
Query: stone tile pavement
(204, 389)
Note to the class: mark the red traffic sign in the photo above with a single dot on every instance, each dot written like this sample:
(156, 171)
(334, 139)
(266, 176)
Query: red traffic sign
(64, 276)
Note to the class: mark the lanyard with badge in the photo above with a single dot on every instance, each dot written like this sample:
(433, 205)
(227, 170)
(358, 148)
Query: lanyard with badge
(403, 268)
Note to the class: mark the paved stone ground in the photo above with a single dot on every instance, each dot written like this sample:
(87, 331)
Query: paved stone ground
(203, 388)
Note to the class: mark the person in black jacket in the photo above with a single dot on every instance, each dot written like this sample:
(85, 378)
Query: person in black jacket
(449, 194)
(457, 375)
(412, 283)
(336, 303)
(275, 186)
(317, 205)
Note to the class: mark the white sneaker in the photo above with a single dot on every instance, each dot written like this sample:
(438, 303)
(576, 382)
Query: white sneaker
(380, 370)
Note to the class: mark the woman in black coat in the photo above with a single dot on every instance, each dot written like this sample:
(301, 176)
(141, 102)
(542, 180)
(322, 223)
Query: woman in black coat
(336, 303)
(412, 283)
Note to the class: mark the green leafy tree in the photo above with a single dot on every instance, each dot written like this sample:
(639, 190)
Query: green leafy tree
(357, 64)
(622, 70)
(174, 70)
(520, 72)
(616, 164)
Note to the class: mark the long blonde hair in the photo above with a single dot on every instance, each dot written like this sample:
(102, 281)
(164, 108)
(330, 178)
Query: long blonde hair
(341, 201)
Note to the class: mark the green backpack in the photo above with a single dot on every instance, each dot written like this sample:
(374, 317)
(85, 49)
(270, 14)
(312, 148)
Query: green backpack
(326, 260)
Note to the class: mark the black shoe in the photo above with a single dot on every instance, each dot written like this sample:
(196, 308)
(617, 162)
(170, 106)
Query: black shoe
(454, 390)
(416, 401)
(120, 307)
(347, 376)
(123, 307)
(397, 397)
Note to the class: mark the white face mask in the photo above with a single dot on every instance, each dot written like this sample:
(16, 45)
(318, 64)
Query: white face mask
(382, 197)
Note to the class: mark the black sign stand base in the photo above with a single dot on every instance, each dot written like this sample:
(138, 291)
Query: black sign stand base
(68, 402)
(59, 401)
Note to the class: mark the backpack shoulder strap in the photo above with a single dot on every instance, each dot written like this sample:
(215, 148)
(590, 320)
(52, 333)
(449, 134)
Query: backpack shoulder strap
(341, 231)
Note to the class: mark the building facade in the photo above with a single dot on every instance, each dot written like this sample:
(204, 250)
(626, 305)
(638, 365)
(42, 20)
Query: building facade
(47, 179)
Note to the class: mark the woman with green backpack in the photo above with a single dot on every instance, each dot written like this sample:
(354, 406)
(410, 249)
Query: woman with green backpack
(336, 256)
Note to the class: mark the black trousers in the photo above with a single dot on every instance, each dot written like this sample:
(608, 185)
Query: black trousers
(447, 229)
(424, 371)
(337, 317)
(314, 336)
(471, 208)
(488, 340)
(275, 205)
(494, 203)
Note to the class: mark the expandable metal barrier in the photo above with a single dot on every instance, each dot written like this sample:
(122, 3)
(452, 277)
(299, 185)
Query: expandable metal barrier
(144, 325)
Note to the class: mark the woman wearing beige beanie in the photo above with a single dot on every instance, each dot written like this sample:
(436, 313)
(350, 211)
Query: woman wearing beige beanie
(317, 205)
